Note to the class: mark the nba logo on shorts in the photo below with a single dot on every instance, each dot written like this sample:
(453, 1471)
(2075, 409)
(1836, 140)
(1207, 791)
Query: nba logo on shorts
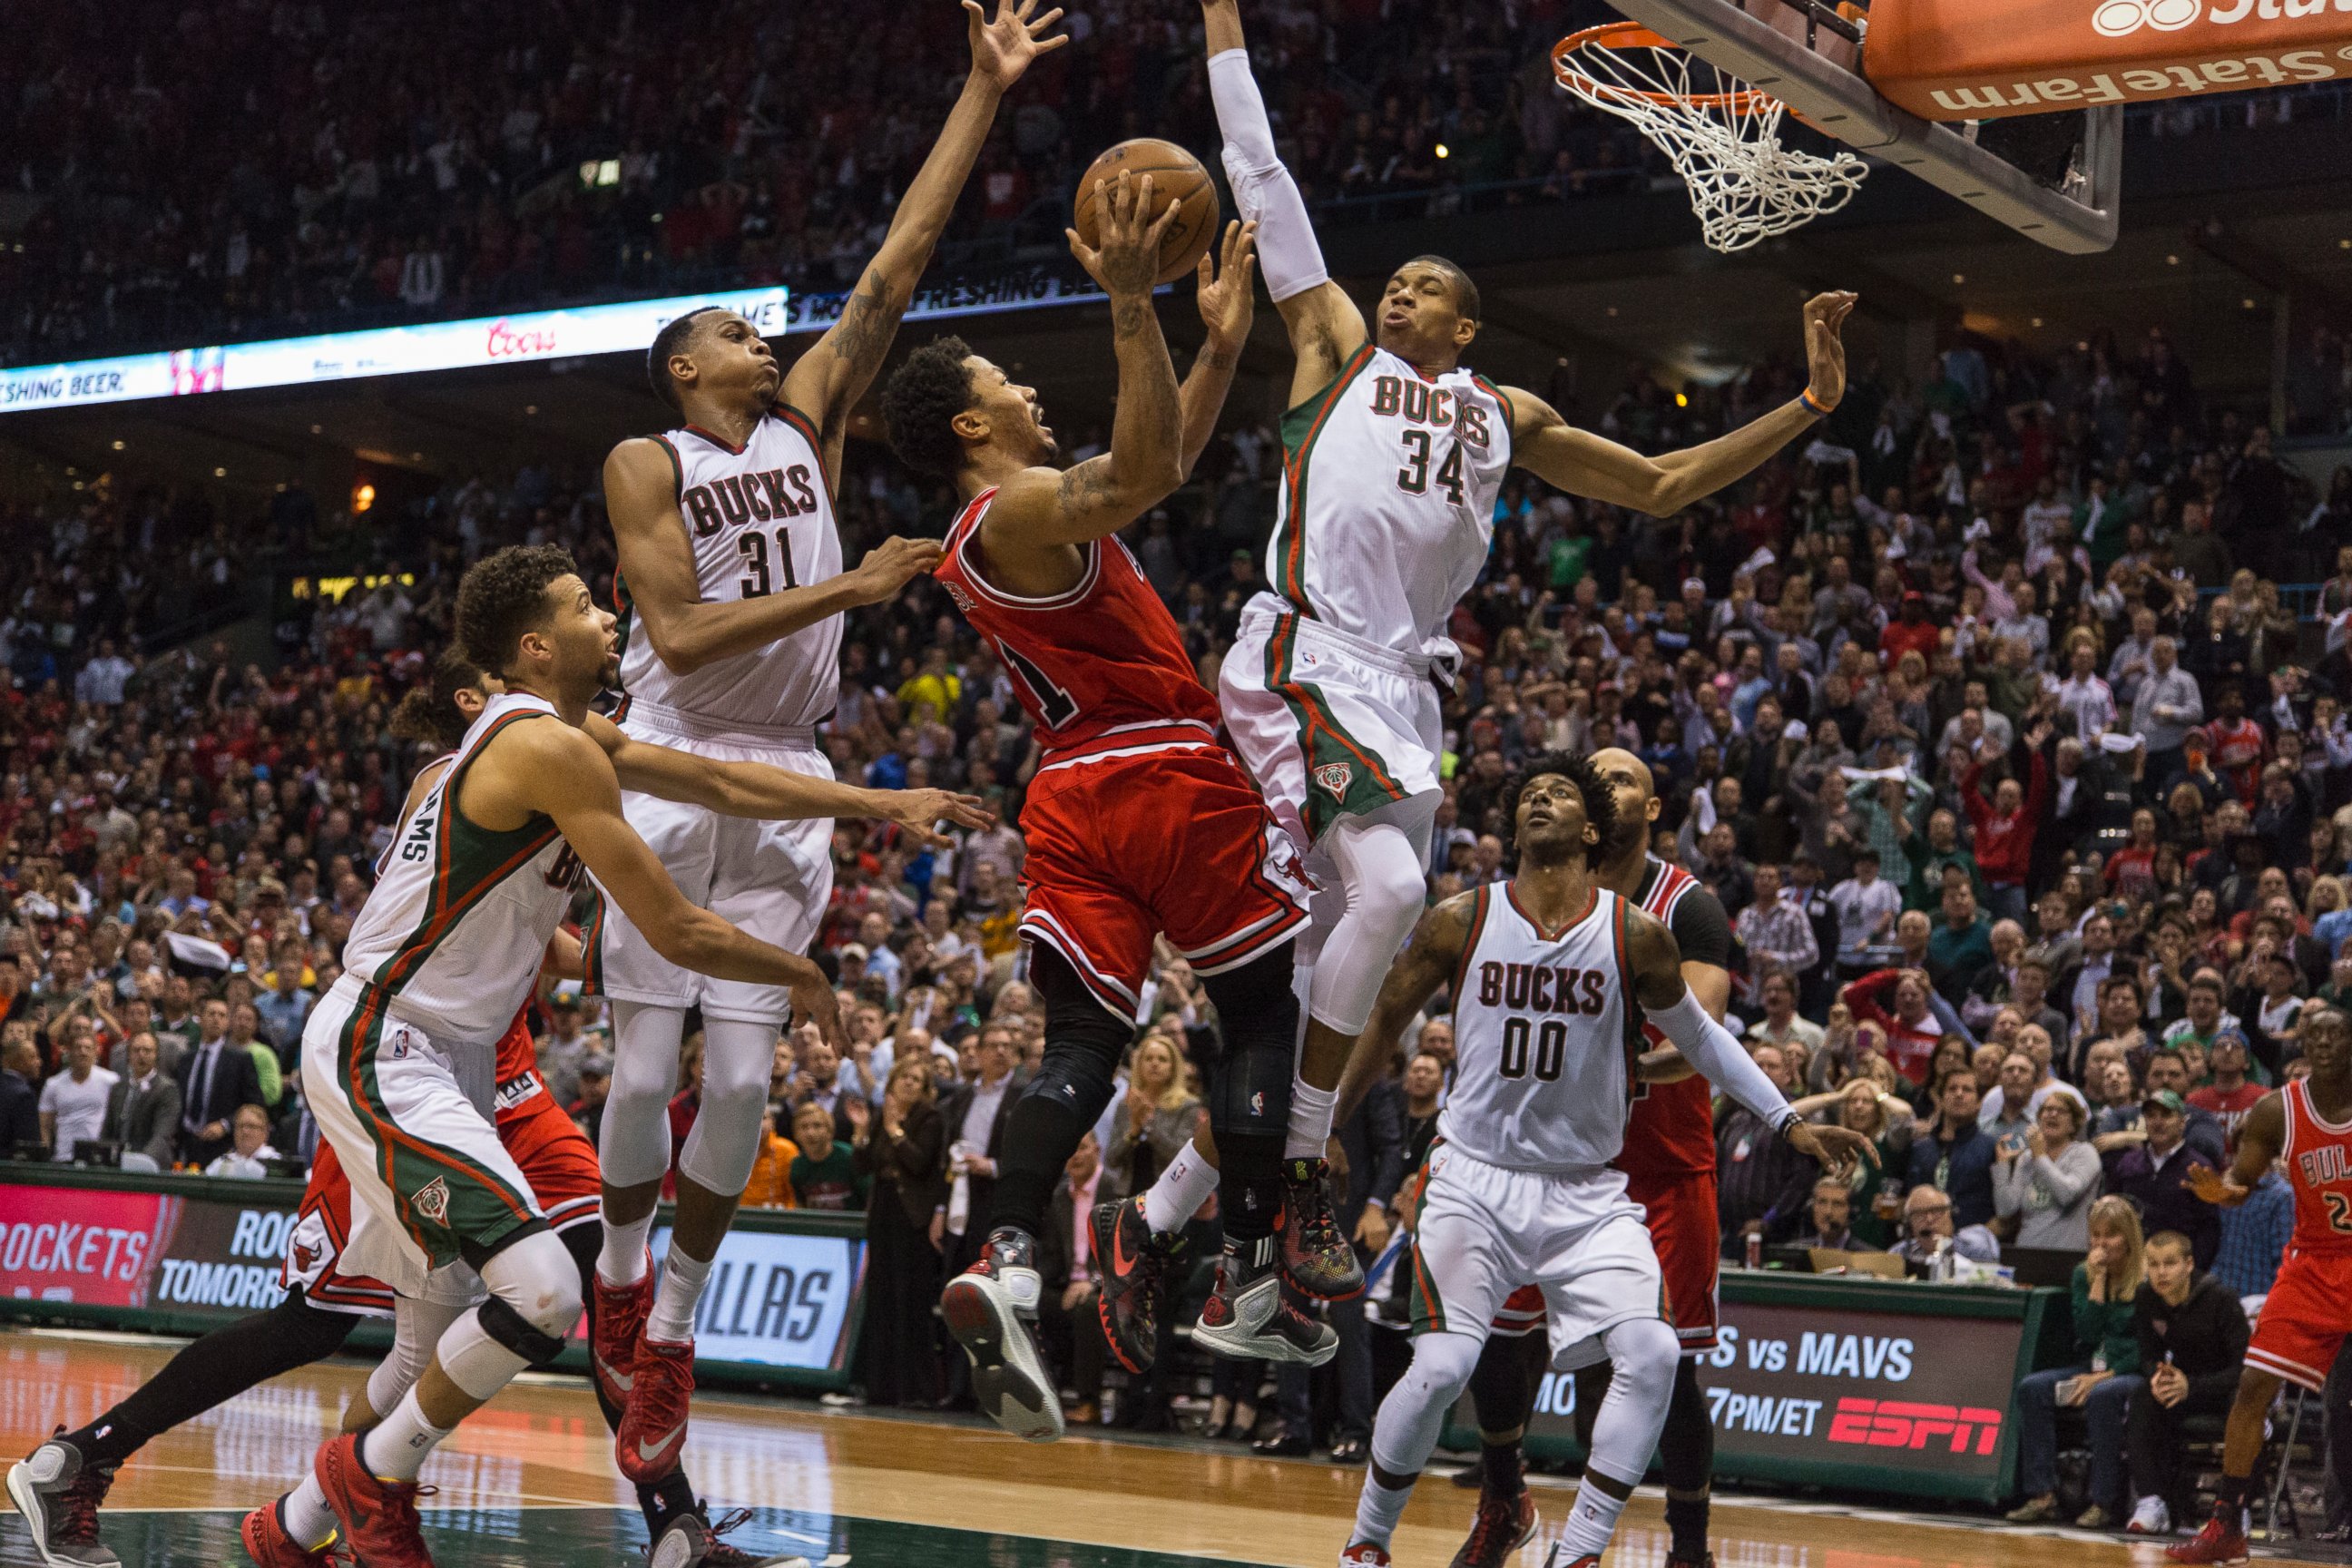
(1336, 777)
(431, 1201)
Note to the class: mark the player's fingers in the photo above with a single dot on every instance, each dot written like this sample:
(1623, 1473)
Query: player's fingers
(1202, 273)
(979, 13)
(1047, 46)
(1078, 248)
(1158, 232)
(1026, 6)
(1046, 21)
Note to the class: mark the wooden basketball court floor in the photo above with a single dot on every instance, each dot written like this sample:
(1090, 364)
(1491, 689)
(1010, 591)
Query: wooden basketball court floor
(531, 1481)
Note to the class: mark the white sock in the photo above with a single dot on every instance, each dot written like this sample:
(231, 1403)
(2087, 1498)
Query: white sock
(305, 1515)
(672, 1319)
(1378, 1509)
(1311, 1120)
(1589, 1524)
(1179, 1191)
(395, 1451)
(622, 1260)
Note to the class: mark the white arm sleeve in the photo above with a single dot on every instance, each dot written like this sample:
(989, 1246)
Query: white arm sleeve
(1262, 189)
(1721, 1060)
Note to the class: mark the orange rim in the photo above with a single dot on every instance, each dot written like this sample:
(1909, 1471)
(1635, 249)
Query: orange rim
(1634, 36)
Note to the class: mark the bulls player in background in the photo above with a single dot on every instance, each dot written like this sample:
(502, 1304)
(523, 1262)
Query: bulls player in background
(1138, 822)
(2308, 1125)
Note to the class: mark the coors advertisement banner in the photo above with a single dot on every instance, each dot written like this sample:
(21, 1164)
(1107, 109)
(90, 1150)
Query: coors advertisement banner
(1921, 1396)
(1982, 60)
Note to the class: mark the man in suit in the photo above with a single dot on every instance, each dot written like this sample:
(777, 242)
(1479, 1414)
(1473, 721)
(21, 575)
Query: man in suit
(142, 1111)
(1070, 1279)
(215, 1078)
(20, 1099)
(976, 1113)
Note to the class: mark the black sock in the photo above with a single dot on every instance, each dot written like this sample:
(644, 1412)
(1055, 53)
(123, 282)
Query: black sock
(1249, 1188)
(1686, 1523)
(2230, 1499)
(212, 1371)
(1040, 1136)
(1503, 1470)
(664, 1501)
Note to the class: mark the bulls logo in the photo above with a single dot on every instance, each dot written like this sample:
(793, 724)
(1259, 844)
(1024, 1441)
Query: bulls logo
(304, 1256)
(431, 1201)
(1336, 777)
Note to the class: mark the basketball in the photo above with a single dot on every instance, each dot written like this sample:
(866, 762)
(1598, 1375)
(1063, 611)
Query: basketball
(1176, 176)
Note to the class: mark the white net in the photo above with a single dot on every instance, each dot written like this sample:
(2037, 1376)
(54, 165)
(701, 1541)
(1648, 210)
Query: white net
(1723, 135)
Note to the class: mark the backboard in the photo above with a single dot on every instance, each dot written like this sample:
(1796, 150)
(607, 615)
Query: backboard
(1807, 54)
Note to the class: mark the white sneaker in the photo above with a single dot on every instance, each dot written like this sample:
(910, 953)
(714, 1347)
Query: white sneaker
(2151, 1517)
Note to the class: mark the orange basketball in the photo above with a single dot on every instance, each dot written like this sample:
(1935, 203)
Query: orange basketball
(1176, 176)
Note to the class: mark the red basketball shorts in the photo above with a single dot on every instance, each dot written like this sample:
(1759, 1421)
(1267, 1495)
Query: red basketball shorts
(2304, 1320)
(1680, 1206)
(1124, 848)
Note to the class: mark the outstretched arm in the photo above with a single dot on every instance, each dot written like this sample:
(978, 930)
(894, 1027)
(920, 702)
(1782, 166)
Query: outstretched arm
(658, 564)
(775, 795)
(828, 379)
(1326, 327)
(1040, 510)
(1723, 1061)
(556, 770)
(1227, 308)
(1585, 464)
(1428, 961)
(2260, 1139)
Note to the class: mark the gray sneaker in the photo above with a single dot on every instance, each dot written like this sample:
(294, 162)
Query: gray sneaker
(59, 1497)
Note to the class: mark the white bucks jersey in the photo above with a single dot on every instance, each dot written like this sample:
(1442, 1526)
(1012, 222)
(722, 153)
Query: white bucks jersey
(759, 520)
(1544, 1038)
(1387, 505)
(459, 921)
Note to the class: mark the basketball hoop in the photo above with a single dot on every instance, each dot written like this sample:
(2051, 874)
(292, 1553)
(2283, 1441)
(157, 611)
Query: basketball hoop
(1723, 135)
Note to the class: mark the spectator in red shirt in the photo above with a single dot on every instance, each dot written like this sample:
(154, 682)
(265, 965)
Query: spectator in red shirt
(2228, 1093)
(1910, 630)
(1910, 1022)
(2006, 823)
(2238, 745)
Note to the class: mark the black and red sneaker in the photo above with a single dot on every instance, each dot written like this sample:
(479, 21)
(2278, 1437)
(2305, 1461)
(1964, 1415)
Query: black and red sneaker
(1134, 1263)
(58, 1492)
(1503, 1525)
(2222, 1541)
(619, 1323)
(691, 1541)
(1253, 1315)
(653, 1431)
(1316, 1258)
(988, 1308)
(267, 1543)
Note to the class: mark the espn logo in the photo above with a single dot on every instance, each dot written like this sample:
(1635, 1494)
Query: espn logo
(1903, 1424)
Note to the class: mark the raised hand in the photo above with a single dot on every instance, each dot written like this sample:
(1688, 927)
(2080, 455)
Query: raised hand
(1825, 315)
(1835, 1147)
(1227, 302)
(1002, 46)
(2216, 1188)
(1126, 261)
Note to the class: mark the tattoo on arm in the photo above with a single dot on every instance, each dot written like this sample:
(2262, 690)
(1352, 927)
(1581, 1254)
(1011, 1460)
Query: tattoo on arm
(1217, 360)
(1129, 315)
(1085, 485)
(859, 340)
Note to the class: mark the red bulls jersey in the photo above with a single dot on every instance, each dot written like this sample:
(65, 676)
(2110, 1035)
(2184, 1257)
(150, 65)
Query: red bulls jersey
(2319, 1164)
(1673, 1127)
(1103, 657)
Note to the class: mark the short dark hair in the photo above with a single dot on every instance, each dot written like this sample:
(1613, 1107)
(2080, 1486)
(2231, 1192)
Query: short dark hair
(1466, 293)
(504, 595)
(674, 335)
(921, 399)
(429, 712)
(1599, 800)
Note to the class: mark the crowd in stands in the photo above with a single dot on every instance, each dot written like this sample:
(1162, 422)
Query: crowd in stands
(1985, 714)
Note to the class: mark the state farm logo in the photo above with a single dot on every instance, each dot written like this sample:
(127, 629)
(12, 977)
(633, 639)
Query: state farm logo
(2120, 18)
(505, 342)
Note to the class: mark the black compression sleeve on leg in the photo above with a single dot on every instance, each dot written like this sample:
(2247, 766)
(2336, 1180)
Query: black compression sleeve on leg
(1500, 1388)
(1592, 1388)
(1249, 1087)
(1084, 1041)
(1687, 1456)
(213, 1371)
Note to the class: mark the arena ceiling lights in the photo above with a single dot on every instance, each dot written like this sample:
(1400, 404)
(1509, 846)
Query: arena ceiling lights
(482, 341)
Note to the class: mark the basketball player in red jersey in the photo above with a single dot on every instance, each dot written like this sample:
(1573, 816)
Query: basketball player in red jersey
(1138, 822)
(1669, 1165)
(2309, 1125)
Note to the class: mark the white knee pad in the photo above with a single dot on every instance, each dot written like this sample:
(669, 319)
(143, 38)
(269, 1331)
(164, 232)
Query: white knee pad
(1644, 1355)
(538, 1279)
(634, 1146)
(1414, 1413)
(1381, 877)
(736, 1058)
